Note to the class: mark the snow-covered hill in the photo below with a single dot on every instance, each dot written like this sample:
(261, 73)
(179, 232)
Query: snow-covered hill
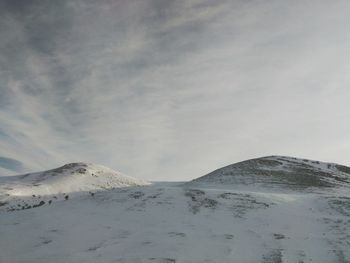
(35, 189)
(216, 218)
(280, 171)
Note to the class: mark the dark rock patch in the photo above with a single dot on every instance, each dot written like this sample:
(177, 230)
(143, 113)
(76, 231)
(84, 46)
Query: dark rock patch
(136, 195)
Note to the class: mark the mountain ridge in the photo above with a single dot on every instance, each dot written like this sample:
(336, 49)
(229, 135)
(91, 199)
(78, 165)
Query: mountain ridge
(176, 222)
(274, 168)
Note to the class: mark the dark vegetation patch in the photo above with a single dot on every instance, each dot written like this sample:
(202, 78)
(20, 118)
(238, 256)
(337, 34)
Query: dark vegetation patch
(176, 234)
(240, 204)
(279, 236)
(300, 177)
(229, 236)
(194, 194)
(232, 195)
(273, 256)
(67, 167)
(26, 206)
(198, 200)
(3, 203)
(267, 162)
(153, 196)
(39, 204)
(137, 195)
(81, 170)
(47, 241)
(209, 203)
(341, 205)
(163, 260)
(343, 168)
(94, 248)
(143, 200)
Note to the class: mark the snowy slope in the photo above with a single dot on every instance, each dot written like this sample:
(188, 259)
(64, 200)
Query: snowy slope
(24, 191)
(189, 223)
(280, 171)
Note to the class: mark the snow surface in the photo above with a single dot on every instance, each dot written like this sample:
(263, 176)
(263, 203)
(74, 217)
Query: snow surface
(184, 222)
(25, 191)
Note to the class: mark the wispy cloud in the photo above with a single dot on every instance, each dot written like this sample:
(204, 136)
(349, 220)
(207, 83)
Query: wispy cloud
(11, 164)
(169, 90)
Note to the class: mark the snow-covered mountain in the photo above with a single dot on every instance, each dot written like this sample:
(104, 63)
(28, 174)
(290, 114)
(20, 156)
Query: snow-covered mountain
(269, 210)
(280, 171)
(36, 189)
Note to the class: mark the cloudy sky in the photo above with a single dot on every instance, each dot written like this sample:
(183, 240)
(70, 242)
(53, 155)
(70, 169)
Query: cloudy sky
(172, 89)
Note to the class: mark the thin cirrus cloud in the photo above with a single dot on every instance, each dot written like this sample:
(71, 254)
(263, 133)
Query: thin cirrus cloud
(170, 90)
(11, 164)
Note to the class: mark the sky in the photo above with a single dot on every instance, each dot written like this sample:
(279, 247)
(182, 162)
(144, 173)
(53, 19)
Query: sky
(172, 89)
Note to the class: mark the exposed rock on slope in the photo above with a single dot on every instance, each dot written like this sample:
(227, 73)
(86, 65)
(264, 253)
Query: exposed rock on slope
(280, 171)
